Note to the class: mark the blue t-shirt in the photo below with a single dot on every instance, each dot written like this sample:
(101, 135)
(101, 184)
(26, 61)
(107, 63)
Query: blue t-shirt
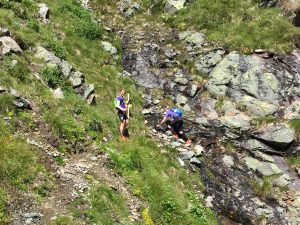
(171, 113)
(122, 102)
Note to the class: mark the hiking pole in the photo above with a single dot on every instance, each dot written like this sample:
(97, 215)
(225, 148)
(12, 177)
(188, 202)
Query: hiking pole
(128, 107)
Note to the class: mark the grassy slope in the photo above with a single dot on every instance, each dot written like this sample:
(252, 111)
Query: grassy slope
(154, 177)
(237, 25)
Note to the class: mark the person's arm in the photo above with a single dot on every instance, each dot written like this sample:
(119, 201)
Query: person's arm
(162, 121)
(119, 106)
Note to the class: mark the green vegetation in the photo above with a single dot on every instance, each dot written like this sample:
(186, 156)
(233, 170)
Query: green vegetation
(155, 179)
(3, 212)
(53, 76)
(258, 121)
(293, 161)
(18, 162)
(296, 125)
(238, 25)
(108, 206)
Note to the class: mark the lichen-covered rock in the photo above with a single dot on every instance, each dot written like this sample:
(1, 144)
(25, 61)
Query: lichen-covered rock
(207, 62)
(238, 121)
(292, 111)
(47, 56)
(276, 135)
(58, 93)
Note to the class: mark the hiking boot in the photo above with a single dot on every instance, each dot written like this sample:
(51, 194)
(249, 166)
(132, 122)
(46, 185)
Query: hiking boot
(123, 138)
(189, 142)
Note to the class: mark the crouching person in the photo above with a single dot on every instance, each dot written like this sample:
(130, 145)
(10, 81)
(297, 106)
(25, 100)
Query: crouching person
(174, 121)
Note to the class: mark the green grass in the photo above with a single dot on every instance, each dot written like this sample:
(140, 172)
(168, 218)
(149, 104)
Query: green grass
(18, 162)
(293, 161)
(296, 125)
(107, 206)
(238, 25)
(4, 218)
(158, 180)
(258, 121)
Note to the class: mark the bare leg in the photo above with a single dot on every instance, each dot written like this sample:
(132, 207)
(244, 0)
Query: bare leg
(122, 125)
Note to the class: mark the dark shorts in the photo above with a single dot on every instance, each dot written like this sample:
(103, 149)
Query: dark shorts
(122, 115)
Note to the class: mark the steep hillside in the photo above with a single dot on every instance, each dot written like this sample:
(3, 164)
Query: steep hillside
(231, 66)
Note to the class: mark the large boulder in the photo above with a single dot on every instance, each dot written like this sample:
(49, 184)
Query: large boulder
(237, 121)
(47, 56)
(4, 32)
(8, 45)
(278, 136)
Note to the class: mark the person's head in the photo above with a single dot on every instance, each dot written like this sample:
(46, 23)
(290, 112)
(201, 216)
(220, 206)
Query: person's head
(122, 92)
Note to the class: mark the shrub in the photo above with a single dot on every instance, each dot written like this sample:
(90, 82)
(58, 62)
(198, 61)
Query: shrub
(87, 29)
(53, 76)
(34, 25)
(20, 70)
(296, 125)
(57, 48)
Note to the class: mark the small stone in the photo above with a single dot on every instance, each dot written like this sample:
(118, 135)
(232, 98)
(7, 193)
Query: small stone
(181, 100)
(108, 47)
(298, 171)
(147, 111)
(228, 160)
(208, 201)
(4, 32)
(181, 162)
(187, 155)
(32, 215)
(58, 93)
(198, 150)
(259, 51)
(176, 144)
(195, 161)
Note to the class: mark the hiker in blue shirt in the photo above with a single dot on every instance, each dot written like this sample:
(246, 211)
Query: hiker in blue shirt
(175, 123)
(121, 107)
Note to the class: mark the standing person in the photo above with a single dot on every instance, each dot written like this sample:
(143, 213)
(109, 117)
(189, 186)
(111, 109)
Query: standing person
(175, 124)
(121, 107)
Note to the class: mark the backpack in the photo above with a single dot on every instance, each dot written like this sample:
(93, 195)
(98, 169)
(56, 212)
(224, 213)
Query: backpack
(177, 111)
(115, 102)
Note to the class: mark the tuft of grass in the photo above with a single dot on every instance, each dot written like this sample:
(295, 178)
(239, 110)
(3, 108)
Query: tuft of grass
(63, 220)
(293, 161)
(258, 121)
(107, 206)
(53, 76)
(57, 48)
(296, 125)
(34, 25)
(239, 25)
(4, 217)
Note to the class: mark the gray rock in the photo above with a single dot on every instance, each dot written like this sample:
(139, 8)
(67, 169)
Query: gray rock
(298, 171)
(108, 47)
(4, 32)
(198, 150)
(128, 8)
(181, 80)
(91, 99)
(268, 169)
(252, 163)
(195, 39)
(228, 160)
(278, 135)
(207, 62)
(170, 53)
(89, 89)
(263, 157)
(176, 144)
(282, 181)
(201, 121)
(32, 215)
(174, 5)
(293, 111)
(181, 162)
(256, 145)
(44, 12)
(195, 161)
(48, 57)
(147, 111)
(85, 4)
(187, 155)
(8, 45)
(76, 79)
(58, 93)
(66, 68)
(239, 121)
(181, 100)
